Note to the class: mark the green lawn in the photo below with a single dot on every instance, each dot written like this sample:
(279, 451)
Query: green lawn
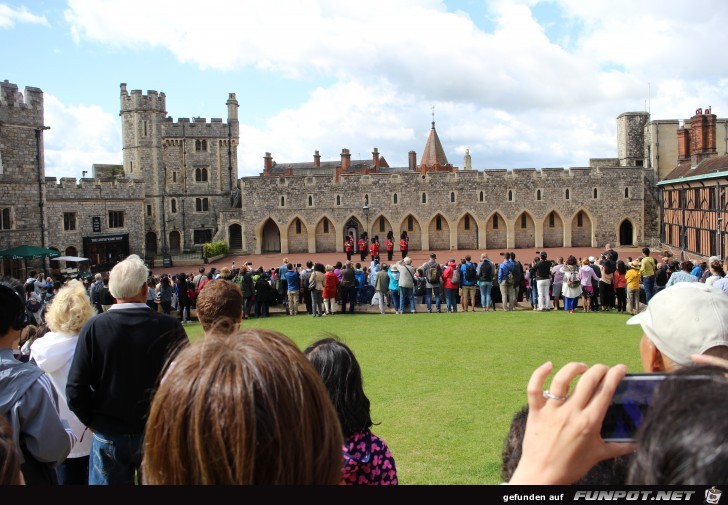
(444, 387)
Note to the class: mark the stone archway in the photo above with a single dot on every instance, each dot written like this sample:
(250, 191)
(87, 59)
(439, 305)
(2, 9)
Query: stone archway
(297, 236)
(553, 230)
(270, 237)
(439, 232)
(235, 237)
(581, 230)
(325, 236)
(525, 231)
(626, 233)
(496, 234)
(150, 243)
(467, 232)
(175, 242)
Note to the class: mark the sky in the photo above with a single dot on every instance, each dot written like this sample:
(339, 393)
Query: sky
(520, 83)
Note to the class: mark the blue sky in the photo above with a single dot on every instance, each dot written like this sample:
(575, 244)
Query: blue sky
(521, 83)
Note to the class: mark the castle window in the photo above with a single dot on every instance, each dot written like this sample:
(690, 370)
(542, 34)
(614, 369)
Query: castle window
(298, 226)
(394, 199)
(467, 222)
(131, 167)
(495, 221)
(626, 192)
(552, 220)
(381, 224)
(452, 197)
(202, 204)
(424, 197)
(639, 163)
(200, 175)
(174, 176)
(482, 196)
(538, 194)
(338, 199)
(438, 223)
(69, 221)
(310, 201)
(283, 201)
(410, 224)
(202, 236)
(523, 220)
(116, 219)
(149, 210)
(566, 194)
(145, 128)
(510, 195)
(579, 220)
(173, 204)
(366, 200)
(326, 225)
(198, 145)
(6, 222)
(595, 193)
(204, 145)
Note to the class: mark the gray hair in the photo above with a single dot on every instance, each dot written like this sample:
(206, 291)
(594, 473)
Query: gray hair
(127, 277)
(408, 260)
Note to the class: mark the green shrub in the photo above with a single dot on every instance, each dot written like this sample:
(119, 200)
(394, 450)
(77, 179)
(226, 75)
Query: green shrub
(215, 248)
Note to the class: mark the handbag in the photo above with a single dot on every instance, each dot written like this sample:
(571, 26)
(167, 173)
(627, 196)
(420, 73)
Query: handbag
(375, 299)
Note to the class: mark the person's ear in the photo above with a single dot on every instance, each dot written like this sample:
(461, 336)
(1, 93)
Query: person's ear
(656, 359)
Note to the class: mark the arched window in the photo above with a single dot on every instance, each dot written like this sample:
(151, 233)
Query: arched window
(338, 199)
(394, 199)
(481, 196)
(580, 219)
(298, 226)
(366, 200)
(283, 201)
(595, 193)
(326, 225)
(523, 220)
(381, 224)
(626, 192)
(310, 201)
(200, 175)
(510, 195)
(467, 222)
(566, 194)
(204, 145)
(552, 220)
(424, 197)
(173, 203)
(202, 204)
(538, 194)
(410, 223)
(438, 223)
(452, 197)
(198, 145)
(495, 221)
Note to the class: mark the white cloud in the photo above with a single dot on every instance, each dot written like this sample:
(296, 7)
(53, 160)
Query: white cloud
(80, 136)
(9, 17)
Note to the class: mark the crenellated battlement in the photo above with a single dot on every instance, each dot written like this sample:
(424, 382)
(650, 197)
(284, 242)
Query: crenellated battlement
(197, 127)
(18, 108)
(93, 189)
(152, 101)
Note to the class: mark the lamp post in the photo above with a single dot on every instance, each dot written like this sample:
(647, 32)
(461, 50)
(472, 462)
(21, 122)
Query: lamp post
(365, 209)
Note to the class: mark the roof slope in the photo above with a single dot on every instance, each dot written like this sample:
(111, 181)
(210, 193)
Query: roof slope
(433, 154)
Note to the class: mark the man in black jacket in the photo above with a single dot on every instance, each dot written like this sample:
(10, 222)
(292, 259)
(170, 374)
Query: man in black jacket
(119, 358)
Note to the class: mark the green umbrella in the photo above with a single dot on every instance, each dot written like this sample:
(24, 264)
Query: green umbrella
(27, 252)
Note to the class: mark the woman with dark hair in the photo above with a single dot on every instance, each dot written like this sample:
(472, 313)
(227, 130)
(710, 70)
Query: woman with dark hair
(571, 287)
(164, 294)
(620, 286)
(367, 459)
(182, 298)
(243, 409)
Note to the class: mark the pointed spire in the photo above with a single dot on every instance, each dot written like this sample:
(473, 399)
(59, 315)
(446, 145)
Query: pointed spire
(433, 154)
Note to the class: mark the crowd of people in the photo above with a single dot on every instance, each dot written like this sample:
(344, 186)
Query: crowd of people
(100, 385)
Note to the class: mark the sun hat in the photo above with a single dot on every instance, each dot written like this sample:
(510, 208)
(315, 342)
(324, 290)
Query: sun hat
(686, 318)
(635, 264)
(592, 259)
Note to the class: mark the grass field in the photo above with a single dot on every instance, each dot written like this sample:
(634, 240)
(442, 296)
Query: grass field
(444, 387)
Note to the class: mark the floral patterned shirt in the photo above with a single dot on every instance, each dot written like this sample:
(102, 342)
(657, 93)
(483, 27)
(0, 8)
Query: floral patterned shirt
(367, 461)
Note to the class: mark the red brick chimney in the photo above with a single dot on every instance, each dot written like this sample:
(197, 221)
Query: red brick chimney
(267, 164)
(375, 159)
(345, 160)
(412, 161)
(316, 159)
(702, 136)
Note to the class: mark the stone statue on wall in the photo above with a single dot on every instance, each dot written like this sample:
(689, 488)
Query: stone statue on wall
(235, 202)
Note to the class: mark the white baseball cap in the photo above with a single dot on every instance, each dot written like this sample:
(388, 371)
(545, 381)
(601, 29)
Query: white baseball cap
(592, 259)
(685, 318)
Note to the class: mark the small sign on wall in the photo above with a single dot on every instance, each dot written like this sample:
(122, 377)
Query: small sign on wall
(96, 224)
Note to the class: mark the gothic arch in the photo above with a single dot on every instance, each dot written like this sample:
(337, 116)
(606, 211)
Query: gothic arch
(376, 228)
(356, 226)
(496, 238)
(467, 235)
(627, 232)
(553, 236)
(581, 236)
(70, 251)
(525, 231)
(268, 235)
(174, 242)
(439, 238)
(415, 234)
(325, 235)
(297, 235)
(235, 236)
(150, 243)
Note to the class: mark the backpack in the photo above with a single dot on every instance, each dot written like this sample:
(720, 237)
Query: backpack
(470, 274)
(455, 275)
(312, 281)
(509, 278)
(33, 305)
(486, 271)
(433, 274)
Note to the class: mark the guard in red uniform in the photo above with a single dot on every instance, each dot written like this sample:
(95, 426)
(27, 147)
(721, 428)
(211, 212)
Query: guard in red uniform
(349, 247)
(374, 249)
(363, 247)
(404, 244)
(389, 244)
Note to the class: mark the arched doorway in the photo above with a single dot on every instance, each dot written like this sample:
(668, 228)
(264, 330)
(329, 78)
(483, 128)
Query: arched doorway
(439, 231)
(271, 239)
(525, 231)
(71, 251)
(354, 227)
(325, 236)
(581, 230)
(626, 233)
(235, 237)
(150, 243)
(467, 232)
(174, 242)
(496, 234)
(553, 230)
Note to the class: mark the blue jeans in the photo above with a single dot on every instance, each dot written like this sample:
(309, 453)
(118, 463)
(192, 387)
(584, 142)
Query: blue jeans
(485, 289)
(649, 284)
(395, 298)
(407, 295)
(451, 299)
(114, 459)
(428, 297)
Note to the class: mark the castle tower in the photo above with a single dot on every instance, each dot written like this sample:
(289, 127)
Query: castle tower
(433, 156)
(631, 138)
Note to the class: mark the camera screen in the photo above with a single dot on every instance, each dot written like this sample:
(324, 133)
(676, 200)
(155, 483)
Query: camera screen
(629, 406)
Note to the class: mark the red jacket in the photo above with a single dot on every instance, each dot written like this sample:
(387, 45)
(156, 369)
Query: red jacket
(362, 245)
(374, 249)
(403, 244)
(390, 245)
(447, 277)
(348, 245)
